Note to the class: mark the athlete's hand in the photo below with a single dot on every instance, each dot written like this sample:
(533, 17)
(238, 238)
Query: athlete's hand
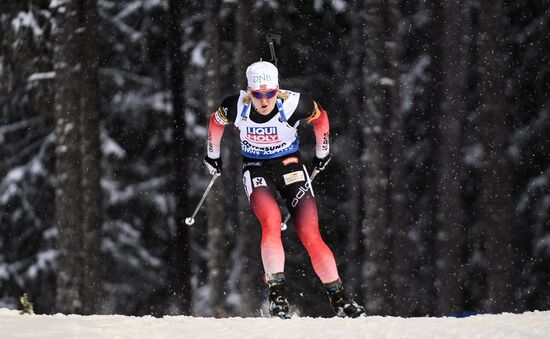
(214, 165)
(320, 164)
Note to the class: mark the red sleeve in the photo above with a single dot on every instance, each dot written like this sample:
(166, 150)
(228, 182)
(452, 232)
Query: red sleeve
(322, 131)
(215, 133)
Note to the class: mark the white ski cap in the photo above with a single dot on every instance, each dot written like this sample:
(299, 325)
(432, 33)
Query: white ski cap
(262, 75)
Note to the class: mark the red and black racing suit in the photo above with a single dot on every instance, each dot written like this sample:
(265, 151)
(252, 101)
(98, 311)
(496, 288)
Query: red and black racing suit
(263, 178)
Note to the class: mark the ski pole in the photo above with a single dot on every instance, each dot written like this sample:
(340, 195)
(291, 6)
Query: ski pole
(191, 220)
(287, 218)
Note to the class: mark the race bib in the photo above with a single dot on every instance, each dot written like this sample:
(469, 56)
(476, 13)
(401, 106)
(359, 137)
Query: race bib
(293, 177)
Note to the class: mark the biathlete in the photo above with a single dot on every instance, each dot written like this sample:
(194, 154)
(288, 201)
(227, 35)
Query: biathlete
(267, 118)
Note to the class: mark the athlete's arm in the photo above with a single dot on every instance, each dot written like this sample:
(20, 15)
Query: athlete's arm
(313, 113)
(321, 128)
(224, 115)
(215, 133)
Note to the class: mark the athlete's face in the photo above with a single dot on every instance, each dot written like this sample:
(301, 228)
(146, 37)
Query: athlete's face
(264, 100)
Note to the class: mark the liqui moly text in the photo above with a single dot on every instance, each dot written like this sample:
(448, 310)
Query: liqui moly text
(262, 135)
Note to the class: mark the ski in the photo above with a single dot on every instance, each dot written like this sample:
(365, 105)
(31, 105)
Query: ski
(282, 315)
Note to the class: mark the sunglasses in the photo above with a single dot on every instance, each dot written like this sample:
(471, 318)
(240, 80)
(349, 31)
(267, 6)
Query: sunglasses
(268, 95)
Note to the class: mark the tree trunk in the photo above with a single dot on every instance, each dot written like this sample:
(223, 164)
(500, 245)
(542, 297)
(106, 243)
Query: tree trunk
(350, 267)
(78, 193)
(377, 91)
(451, 235)
(90, 158)
(401, 223)
(496, 197)
(249, 265)
(67, 193)
(179, 261)
(216, 203)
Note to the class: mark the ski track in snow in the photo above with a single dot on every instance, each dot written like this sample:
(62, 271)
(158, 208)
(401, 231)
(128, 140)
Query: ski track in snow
(531, 325)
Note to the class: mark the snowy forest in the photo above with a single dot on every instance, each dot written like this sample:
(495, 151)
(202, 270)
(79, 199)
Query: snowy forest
(436, 201)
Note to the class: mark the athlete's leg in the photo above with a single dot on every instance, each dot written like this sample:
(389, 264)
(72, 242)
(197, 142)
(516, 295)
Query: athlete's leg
(297, 192)
(302, 205)
(307, 227)
(264, 205)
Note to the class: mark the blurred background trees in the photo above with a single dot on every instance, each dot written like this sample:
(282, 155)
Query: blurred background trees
(437, 201)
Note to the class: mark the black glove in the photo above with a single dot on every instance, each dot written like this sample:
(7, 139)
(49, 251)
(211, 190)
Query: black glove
(320, 164)
(214, 165)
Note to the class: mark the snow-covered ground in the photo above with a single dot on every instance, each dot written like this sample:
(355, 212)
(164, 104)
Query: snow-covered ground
(530, 325)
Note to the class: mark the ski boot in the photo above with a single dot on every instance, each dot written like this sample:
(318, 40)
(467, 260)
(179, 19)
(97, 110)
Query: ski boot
(344, 307)
(278, 305)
